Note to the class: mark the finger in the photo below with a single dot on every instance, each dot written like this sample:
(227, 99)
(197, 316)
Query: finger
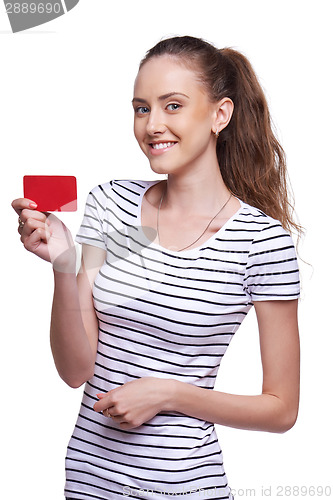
(101, 395)
(32, 214)
(21, 203)
(103, 404)
(106, 413)
(33, 241)
(27, 218)
(100, 406)
(97, 406)
(31, 225)
(119, 419)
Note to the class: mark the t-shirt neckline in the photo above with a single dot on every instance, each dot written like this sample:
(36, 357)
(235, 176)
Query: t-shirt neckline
(190, 250)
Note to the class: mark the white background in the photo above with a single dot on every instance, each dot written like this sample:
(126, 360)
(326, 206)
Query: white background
(65, 108)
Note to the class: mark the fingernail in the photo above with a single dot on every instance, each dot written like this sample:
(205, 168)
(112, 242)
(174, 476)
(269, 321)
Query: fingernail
(101, 395)
(33, 205)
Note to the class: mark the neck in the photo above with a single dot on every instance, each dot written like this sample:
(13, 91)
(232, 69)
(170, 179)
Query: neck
(202, 194)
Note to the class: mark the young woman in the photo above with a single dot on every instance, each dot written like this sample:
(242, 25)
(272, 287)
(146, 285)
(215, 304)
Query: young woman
(169, 270)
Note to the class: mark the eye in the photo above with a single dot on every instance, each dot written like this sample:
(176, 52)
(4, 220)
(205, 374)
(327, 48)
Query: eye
(173, 106)
(141, 110)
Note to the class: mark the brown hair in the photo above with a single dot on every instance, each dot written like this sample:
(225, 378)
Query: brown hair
(251, 160)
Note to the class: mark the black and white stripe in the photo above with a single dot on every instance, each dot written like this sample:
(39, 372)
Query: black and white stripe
(167, 314)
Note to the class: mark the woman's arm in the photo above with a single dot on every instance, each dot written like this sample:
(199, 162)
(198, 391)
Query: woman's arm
(74, 328)
(274, 410)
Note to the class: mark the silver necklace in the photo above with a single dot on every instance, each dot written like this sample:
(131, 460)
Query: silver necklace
(193, 242)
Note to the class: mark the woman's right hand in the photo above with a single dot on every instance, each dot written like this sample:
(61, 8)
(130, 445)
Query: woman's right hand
(45, 235)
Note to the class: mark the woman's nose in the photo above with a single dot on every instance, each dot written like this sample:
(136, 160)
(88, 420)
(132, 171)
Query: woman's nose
(155, 124)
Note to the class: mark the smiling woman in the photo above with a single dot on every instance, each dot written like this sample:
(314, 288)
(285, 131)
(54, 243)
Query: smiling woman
(169, 271)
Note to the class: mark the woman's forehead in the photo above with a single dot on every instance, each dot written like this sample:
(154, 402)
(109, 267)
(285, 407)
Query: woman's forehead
(163, 74)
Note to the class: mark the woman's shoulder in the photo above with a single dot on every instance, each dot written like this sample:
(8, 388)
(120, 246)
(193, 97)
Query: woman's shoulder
(122, 187)
(118, 195)
(268, 234)
(258, 220)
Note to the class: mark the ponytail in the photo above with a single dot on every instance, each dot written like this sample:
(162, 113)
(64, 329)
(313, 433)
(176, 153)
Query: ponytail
(251, 160)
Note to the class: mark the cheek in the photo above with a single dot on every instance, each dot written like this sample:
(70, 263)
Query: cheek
(138, 130)
(199, 128)
(139, 134)
(203, 111)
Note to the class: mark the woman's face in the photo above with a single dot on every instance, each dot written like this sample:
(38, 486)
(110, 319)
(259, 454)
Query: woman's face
(173, 117)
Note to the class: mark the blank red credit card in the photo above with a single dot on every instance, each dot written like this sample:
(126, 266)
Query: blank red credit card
(52, 193)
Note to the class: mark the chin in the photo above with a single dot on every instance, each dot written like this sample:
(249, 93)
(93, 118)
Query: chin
(167, 167)
(159, 169)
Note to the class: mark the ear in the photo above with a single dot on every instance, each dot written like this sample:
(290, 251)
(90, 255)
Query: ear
(223, 114)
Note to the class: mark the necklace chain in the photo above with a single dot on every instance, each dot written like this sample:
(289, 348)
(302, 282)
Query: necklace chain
(208, 225)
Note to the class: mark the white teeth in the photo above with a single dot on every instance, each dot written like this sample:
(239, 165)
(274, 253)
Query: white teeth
(163, 145)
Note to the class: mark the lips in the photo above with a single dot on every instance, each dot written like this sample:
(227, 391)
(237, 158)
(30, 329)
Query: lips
(158, 148)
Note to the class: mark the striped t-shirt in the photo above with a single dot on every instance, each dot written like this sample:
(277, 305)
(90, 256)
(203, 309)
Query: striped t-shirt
(166, 314)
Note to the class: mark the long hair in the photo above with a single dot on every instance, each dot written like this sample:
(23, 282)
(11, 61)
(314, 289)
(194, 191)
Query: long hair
(251, 160)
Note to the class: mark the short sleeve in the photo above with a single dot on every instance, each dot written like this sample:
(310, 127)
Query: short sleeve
(272, 270)
(91, 230)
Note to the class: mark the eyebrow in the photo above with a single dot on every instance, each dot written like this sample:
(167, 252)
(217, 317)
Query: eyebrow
(161, 97)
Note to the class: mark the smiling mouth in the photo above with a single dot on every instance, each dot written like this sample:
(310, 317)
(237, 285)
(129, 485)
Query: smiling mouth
(162, 145)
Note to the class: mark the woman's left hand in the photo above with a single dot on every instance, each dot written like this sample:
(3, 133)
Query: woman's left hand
(135, 402)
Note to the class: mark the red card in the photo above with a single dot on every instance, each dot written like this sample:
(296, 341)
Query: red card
(52, 193)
